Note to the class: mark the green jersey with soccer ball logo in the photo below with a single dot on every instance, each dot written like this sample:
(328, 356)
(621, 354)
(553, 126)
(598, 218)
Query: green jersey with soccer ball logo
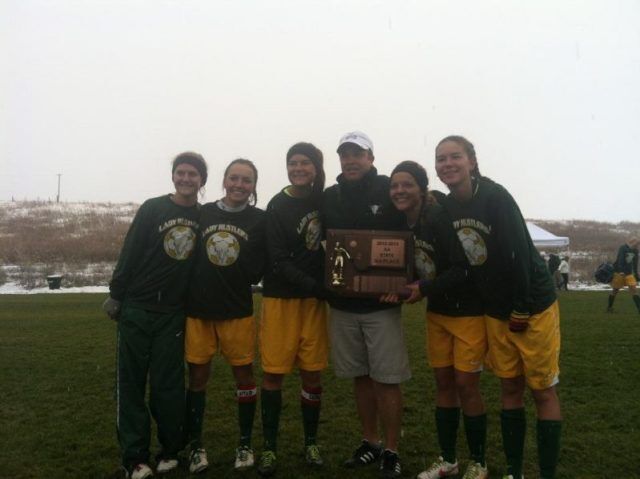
(230, 258)
(442, 267)
(506, 267)
(627, 261)
(153, 269)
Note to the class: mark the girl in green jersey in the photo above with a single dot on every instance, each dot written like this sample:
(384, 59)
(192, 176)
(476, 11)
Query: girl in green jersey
(229, 259)
(521, 310)
(147, 296)
(456, 337)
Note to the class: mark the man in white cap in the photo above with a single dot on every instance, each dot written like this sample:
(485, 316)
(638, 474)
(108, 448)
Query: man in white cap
(367, 340)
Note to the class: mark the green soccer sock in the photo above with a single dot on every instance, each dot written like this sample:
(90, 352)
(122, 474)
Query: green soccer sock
(310, 400)
(271, 402)
(447, 420)
(247, 396)
(194, 416)
(475, 428)
(636, 299)
(611, 299)
(514, 427)
(548, 435)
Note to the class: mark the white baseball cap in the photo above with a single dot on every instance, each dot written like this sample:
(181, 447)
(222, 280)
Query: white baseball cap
(357, 138)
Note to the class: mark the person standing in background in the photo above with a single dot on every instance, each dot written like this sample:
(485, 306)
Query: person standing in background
(563, 269)
(553, 264)
(625, 273)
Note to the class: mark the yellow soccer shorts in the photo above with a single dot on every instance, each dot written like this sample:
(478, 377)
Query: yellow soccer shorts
(460, 341)
(534, 352)
(620, 280)
(234, 338)
(293, 332)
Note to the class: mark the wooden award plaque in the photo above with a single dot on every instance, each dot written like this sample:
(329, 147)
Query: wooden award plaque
(368, 263)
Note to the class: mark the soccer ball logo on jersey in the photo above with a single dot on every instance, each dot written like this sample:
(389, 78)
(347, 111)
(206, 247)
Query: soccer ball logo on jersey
(179, 242)
(473, 245)
(425, 266)
(312, 237)
(223, 248)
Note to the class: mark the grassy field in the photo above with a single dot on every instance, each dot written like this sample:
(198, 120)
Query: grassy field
(57, 398)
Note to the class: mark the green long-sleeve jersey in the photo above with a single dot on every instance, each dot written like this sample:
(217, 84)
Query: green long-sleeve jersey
(627, 261)
(153, 269)
(230, 258)
(507, 269)
(296, 259)
(442, 266)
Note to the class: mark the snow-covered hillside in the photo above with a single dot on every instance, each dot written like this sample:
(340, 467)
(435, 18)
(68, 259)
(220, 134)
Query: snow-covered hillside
(81, 241)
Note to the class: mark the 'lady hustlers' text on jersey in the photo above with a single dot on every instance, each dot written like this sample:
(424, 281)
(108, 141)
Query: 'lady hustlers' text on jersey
(295, 267)
(506, 267)
(441, 266)
(230, 258)
(155, 263)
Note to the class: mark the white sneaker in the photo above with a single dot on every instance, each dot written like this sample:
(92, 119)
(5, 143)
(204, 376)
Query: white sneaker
(166, 465)
(139, 471)
(509, 476)
(198, 460)
(476, 471)
(244, 458)
(440, 468)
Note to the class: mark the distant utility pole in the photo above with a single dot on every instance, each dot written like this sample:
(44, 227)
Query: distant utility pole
(58, 197)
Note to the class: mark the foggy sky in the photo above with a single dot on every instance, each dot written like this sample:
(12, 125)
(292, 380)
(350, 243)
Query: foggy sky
(108, 92)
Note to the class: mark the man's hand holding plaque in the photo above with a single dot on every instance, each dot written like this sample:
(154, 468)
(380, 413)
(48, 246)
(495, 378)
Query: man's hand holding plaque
(368, 263)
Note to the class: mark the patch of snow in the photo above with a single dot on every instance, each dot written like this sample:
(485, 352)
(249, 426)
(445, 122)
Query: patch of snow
(14, 288)
(583, 286)
(19, 209)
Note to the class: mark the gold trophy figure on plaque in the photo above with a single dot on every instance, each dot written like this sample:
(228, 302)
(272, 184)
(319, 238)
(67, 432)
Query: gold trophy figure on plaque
(338, 256)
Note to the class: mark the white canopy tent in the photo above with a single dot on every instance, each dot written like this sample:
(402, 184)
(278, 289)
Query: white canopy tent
(544, 239)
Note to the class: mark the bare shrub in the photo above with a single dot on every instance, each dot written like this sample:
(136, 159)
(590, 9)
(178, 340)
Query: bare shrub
(82, 241)
(87, 275)
(31, 276)
(46, 234)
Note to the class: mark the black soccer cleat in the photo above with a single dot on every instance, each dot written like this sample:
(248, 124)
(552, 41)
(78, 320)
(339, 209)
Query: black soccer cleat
(390, 465)
(365, 454)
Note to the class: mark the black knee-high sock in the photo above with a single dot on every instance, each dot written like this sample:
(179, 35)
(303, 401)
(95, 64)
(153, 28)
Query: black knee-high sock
(310, 401)
(514, 427)
(194, 417)
(271, 402)
(475, 428)
(247, 397)
(611, 299)
(447, 420)
(548, 437)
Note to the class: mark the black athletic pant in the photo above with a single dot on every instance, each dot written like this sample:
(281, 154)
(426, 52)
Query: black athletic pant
(149, 344)
(565, 281)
